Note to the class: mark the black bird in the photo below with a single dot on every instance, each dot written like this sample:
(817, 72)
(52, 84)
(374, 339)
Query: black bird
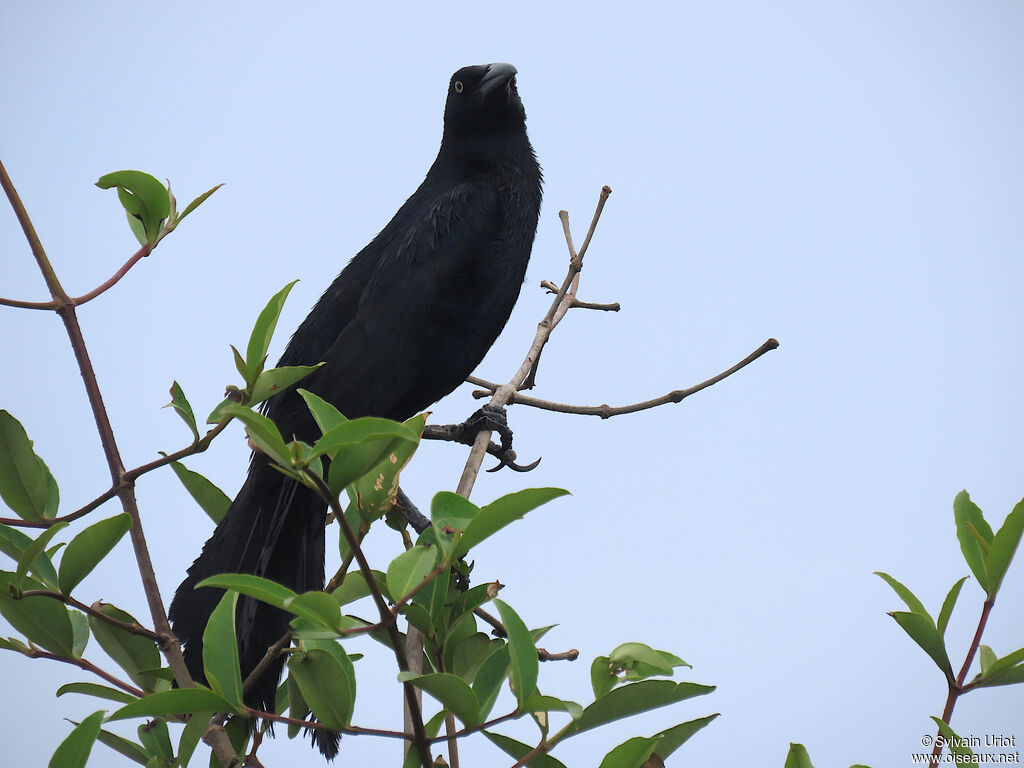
(402, 326)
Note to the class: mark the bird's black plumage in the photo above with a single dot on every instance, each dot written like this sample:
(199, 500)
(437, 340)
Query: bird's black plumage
(404, 323)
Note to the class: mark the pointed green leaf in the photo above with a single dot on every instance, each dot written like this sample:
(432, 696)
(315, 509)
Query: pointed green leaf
(451, 691)
(183, 408)
(135, 654)
(318, 607)
(974, 535)
(1004, 545)
(628, 655)
(87, 549)
(947, 606)
(541, 703)
(197, 202)
(986, 658)
(211, 499)
(956, 745)
(22, 477)
(177, 701)
(1008, 661)
(519, 750)
(269, 383)
(524, 665)
(34, 552)
(191, 735)
(79, 633)
(923, 632)
(327, 685)
(155, 739)
(488, 680)
(632, 753)
(122, 746)
(633, 698)
(263, 433)
(409, 569)
(264, 590)
(798, 757)
(220, 651)
(908, 597)
(671, 739)
(355, 587)
(502, 512)
(13, 543)
(74, 751)
(263, 331)
(324, 414)
(450, 514)
(375, 491)
(42, 620)
(100, 691)
(603, 676)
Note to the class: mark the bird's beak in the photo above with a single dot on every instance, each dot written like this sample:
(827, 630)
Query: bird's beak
(497, 75)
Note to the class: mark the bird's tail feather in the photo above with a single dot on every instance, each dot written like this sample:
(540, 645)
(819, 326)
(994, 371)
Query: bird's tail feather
(274, 529)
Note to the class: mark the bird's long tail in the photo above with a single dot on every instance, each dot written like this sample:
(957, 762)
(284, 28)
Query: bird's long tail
(274, 529)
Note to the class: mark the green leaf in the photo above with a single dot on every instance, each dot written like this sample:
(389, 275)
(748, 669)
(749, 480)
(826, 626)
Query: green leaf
(122, 746)
(13, 543)
(354, 587)
(467, 654)
(633, 698)
(502, 512)
(263, 332)
(182, 407)
(74, 751)
(263, 433)
(541, 703)
(34, 551)
(376, 490)
(298, 709)
(908, 597)
(23, 484)
(956, 745)
(220, 651)
(1004, 545)
(974, 535)
(947, 606)
(87, 549)
(488, 680)
(264, 590)
(1005, 663)
(318, 607)
(409, 569)
(632, 753)
(628, 655)
(211, 499)
(196, 203)
(519, 750)
(191, 734)
(524, 665)
(79, 633)
(269, 383)
(671, 739)
(100, 691)
(603, 676)
(450, 514)
(135, 654)
(42, 620)
(324, 414)
(357, 431)
(798, 757)
(924, 632)
(144, 198)
(432, 726)
(156, 739)
(326, 683)
(986, 657)
(451, 691)
(177, 701)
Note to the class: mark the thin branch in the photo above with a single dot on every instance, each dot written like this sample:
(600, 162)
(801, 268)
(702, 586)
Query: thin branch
(88, 666)
(133, 627)
(100, 500)
(28, 304)
(386, 617)
(125, 490)
(544, 655)
(613, 307)
(106, 286)
(566, 294)
(956, 687)
(268, 658)
(607, 411)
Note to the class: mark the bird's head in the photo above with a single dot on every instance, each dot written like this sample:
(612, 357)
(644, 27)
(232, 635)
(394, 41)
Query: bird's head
(483, 101)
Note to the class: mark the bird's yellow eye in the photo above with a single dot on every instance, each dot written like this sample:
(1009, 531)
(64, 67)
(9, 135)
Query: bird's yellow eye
(458, 86)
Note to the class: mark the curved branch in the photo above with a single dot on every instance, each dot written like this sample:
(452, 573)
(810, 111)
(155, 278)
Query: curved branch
(106, 286)
(607, 411)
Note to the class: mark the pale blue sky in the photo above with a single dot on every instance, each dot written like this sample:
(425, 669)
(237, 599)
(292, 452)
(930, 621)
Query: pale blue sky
(847, 177)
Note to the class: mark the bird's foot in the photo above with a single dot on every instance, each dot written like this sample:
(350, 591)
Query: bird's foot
(490, 418)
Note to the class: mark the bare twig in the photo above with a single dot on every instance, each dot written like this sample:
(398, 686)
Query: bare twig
(88, 666)
(607, 411)
(106, 286)
(544, 655)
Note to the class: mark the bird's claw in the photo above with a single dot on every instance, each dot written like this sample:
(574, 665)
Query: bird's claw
(492, 418)
(505, 461)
